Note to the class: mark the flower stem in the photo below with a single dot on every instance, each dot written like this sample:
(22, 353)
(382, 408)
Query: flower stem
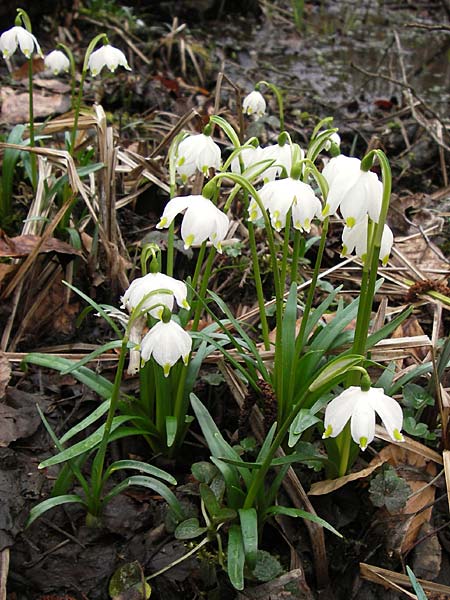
(31, 126)
(258, 285)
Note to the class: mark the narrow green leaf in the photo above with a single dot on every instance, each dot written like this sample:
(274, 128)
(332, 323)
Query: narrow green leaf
(153, 484)
(92, 356)
(236, 557)
(416, 585)
(81, 447)
(249, 528)
(209, 500)
(137, 465)
(298, 512)
(171, 430)
(333, 369)
(95, 382)
(86, 422)
(46, 505)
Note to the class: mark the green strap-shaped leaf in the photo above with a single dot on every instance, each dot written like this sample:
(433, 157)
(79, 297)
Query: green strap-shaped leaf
(249, 527)
(139, 466)
(46, 505)
(85, 423)
(81, 447)
(171, 430)
(236, 557)
(298, 512)
(153, 484)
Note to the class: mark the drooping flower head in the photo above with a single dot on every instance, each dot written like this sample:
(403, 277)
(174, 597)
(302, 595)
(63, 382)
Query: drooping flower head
(166, 342)
(107, 56)
(249, 156)
(254, 104)
(57, 62)
(282, 155)
(202, 220)
(355, 239)
(18, 36)
(360, 407)
(197, 152)
(355, 192)
(283, 194)
(147, 291)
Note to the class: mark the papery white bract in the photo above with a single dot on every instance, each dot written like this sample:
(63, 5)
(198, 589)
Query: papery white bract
(152, 282)
(355, 192)
(283, 158)
(57, 62)
(202, 220)
(360, 407)
(335, 139)
(254, 104)
(107, 56)
(18, 36)
(197, 152)
(281, 195)
(167, 343)
(355, 239)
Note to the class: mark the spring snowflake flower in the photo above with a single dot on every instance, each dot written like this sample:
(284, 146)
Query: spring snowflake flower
(18, 36)
(107, 56)
(355, 192)
(355, 239)
(57, 62)
(202, 220)
(281, 195)
(197, 152)
(249, 156)
(335, 139)
(283, 158)
(167, 343)
(153, 285)
(360, 407)
(254, 104)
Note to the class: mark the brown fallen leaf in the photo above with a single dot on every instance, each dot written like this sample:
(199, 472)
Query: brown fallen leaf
(22, 72)
(18, 416)
(23, 245)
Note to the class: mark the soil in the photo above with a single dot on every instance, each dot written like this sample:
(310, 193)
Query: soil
(345, 62)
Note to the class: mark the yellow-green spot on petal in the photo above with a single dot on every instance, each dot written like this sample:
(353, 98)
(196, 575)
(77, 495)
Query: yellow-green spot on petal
(297, 225)
(363, 443)
(344, 250)
(328, 431)
(166, 369)
(162, 223)
(398, 436)
(350, 222)
(385, 260)
(186, 359)
(277, 225)
(326, 210)
(189, 240)
(253, 215)
(307, 224)
(181, 161)
(185, 304)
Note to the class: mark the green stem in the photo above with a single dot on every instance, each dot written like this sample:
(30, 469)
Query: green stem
(295, 255)
(312, 288)
(77, 113)
(203, 288)
(279, 98)
(259, 287)
(170, 248)
(99, 461)
(31, 126)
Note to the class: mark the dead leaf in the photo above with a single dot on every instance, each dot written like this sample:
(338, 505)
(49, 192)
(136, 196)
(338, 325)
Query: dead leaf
(23, 245)
(411, 328)
(5, 374)
(15, 108)
(53, 85)
(22, 72)
(5, 271)
(18, 417)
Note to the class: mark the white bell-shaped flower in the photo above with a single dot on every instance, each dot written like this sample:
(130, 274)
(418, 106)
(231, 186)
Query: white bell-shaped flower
(202, 220)
(18, 36)
(281, 195)
(335, 139)
(197, 152)
(354, 239)
(360, 407)
(254, 104)
(107, 56)
(57, 62)
(283, 158)
(249, 156)
(355, 192)
(166, 343)
(147, 291)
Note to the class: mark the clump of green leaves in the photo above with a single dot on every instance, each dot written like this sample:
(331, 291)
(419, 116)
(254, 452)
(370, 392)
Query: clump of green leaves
(389, 490)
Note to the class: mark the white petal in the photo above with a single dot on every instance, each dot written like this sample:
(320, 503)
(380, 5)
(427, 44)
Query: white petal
(254, 104)
(8, 42)
(389, 411)
(57, 61)
(362, 424)
(166, 342)
(27, 41)
(339, 411)
(174, 207)
(306, 206)
(387, 241)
